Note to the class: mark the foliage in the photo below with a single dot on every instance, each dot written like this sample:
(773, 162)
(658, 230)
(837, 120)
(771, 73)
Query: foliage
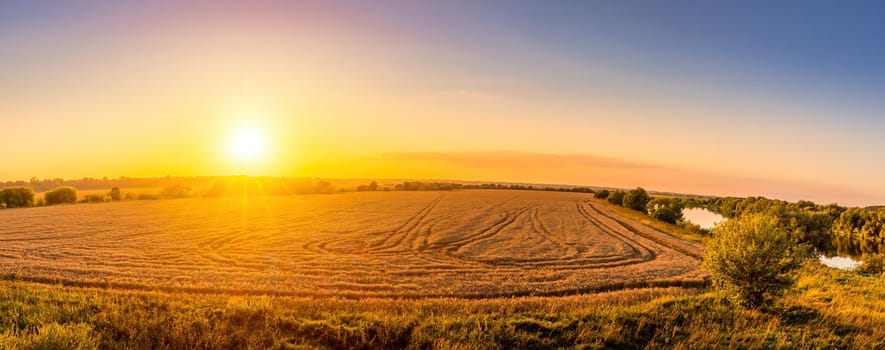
(372, 186)
(427, 186)
(616, 197)
(871, 265)
(636, 199)
(602, 194)
(15, 197)
(61, 195)
(115, 194)
(751, 258)
(94, 198)
(147, 196)
(806, 222)
(666, 209)
(861, 224)
(175, 191)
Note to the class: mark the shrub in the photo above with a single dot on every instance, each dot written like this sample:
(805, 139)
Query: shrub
(616, 197)
(94, 198)
(176, 191)
(872, 264)
(61, 195)
(147, 196)
(115, 194)
(601, 194)
(666, 209)
(751, 260)
(637, 199)
(15, 197)
(666, 214)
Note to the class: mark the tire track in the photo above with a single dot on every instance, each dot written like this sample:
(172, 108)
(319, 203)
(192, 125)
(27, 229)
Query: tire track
(656, 237)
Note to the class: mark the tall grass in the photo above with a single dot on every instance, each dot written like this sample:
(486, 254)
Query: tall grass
(829, 309)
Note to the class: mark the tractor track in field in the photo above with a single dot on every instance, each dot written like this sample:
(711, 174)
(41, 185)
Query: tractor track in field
(461, 244)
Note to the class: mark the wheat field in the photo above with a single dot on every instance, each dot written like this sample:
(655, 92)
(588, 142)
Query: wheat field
(465, 244)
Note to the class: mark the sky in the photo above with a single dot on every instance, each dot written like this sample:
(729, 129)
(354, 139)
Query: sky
(782, 99)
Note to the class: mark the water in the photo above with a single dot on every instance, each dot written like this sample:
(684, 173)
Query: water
(843, 253)
(701, 217)
(839, 262)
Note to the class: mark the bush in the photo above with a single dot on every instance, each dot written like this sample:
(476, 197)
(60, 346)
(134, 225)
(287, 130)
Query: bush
(667, 214)
(666, 209)
(637, 199)
(61, 195)
(872, 264)
(751, 260)
(15, 197)
(115, 194)
(616, 197)
(148, 196)
(176, 191)
(94, 198)
(602, 194)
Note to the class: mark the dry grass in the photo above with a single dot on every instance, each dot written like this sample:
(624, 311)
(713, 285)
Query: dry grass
(465, 244)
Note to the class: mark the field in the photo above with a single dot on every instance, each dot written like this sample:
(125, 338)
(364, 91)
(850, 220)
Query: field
(470, 244)
(464, 269)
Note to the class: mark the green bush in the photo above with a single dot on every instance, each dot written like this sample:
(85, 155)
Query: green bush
(61, 195)
(872, 264)
(616, 197)
(637, 199)
(602, 194)
(666, 209)
(751, 259)
(16, 197)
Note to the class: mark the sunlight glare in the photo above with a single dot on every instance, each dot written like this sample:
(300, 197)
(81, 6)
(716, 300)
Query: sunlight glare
(248, 145)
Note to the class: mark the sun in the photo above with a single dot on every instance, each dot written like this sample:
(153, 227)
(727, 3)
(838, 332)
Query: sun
(248, 145)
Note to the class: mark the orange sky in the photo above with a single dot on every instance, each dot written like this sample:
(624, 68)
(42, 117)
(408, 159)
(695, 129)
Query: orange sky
(410, 92)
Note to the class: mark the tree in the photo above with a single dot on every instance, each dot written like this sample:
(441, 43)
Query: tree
(602, 194)
(616, 197)
(14, 197)
(751, 259)
(637, 199)
(115, 194)
(666, 209)
(61, 195)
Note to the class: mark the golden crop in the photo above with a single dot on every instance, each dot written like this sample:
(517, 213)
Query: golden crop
(469, 244)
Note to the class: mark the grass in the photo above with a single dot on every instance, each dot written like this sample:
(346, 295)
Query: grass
(686, 232)
(829, 309)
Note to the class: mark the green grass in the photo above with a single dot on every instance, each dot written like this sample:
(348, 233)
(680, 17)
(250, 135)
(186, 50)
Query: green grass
(828, 309)
(688, 232)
